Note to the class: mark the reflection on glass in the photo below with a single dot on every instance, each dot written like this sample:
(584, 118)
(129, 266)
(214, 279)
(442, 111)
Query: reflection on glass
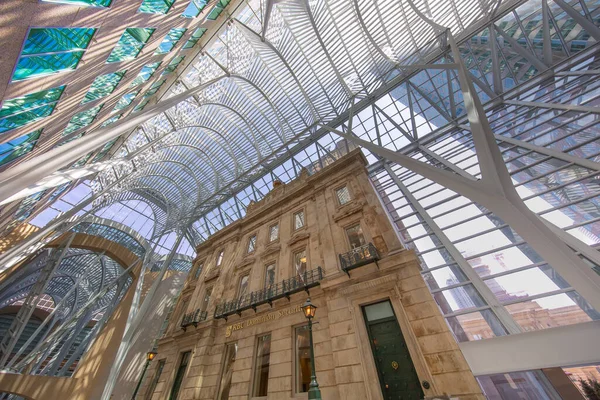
(355, 236)
(516, 385)
(476, 326)
(220, 258)
(303, 367)
(261, 368)
(300, 262)
(183, 363)
(198, 270)
(206, 299)
(227, 371)
(458, 298)
(152, 388)
(273, 232)
(243, 288)
(298, 220)
(270, 275)
(251, 244)
(343, 195)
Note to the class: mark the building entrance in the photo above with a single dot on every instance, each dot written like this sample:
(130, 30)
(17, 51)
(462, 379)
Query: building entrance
(397, 375)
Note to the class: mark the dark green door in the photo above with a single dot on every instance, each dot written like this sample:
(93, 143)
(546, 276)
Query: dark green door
(395, 368)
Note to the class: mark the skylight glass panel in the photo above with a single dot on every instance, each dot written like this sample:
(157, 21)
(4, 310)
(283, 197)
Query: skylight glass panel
(95, 3)
(111, 120)
(170, 40)
(51, 50)
(103, 86)
(194, 8)
(173, 65)
(32, 107)
(82, 119)
(194, 38)
(130, 44)
(18, 147)
(141, 106)
(217, 10)
(156, 6)
(126, 100)
(154, 88)
(105, 149)
(145, 73)
(82, 160)
(70, 139)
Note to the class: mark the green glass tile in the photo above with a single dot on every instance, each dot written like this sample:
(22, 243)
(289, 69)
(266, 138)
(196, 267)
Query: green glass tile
(154, 88)
(214, 13)
(130, 44)
(82, 119)
(194, 8)
(29, 101)
(70, 139)
(173, 65)
(194, 38)
(24, 118)
(53, 40)
(32, 66)
(83, 160)
(141, 106)
(126, 100)
(95, 3)
(145, 73)
(103, 86)
(105, 149)
(170, 40)
(156, 6)
(18, 147)
(111, 120)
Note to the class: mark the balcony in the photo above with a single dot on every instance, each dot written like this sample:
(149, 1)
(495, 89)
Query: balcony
(358, 257)
(285, 288)
(193, 318)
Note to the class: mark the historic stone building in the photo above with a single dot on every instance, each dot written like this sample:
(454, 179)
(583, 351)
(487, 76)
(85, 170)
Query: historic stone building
(237, 331)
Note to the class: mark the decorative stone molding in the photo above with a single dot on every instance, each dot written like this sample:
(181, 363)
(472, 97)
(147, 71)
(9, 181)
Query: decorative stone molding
(298, 237)
(349, 209)
(212, 274)
(245, 262)
(271, 249)
(371, 284)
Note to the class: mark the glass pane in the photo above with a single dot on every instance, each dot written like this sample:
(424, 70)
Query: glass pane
(303, 365)
(355, 236)
(220, 258)
(300, 262)
(154, 88)
(82, 119)
(552, 311)
(55, 40)
(183, 363)
(584, 377)
(198, 270)
(111, 120)
(96, 3)
(103, 86)
(145, 73)
(155, 379)
(195, 36)
(206, 299)
(251, 244)
(130, 44)
(155, 6)
(24, 118)
(141, 106)
(476, 326)
(18, 147)
(273, 232)
(194, 8)
(126, 100)
(173, 65)
(42, 65)
(227, 371)
(299, 220)
(270, 275)
(30, 101)
(343, 195)
(261, 368)
(243, 289)
(379, 311)
(459, 298)
(516, 385)
(170, 40)
(447, 276)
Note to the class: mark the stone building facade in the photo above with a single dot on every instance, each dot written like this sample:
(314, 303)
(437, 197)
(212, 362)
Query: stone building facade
(237, 330)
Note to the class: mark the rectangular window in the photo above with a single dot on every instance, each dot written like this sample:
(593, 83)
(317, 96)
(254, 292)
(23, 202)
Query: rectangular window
(251, 244)
(51, 50)
(343, 195)
(173, 65)
(300, 262)
(152, 387)
(23, 110)
(194, 8)
(227, 371)
(183, 363)
(145, 73)
(82, 119)
(270, 275)
(355, 236)
(220, 258)
(103, 86)
(243, 287)
(18, 147)
(261, 366)
(273, 232)
(130, 44)
(198, 33)
(198, 270)
(302, 360)
(206, 299)
(170, 40)
(298, 220)
(156, 6)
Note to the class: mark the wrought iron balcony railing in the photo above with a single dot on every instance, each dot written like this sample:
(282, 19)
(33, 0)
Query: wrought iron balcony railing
(358, 257)
(193, 318)
(285, 288)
